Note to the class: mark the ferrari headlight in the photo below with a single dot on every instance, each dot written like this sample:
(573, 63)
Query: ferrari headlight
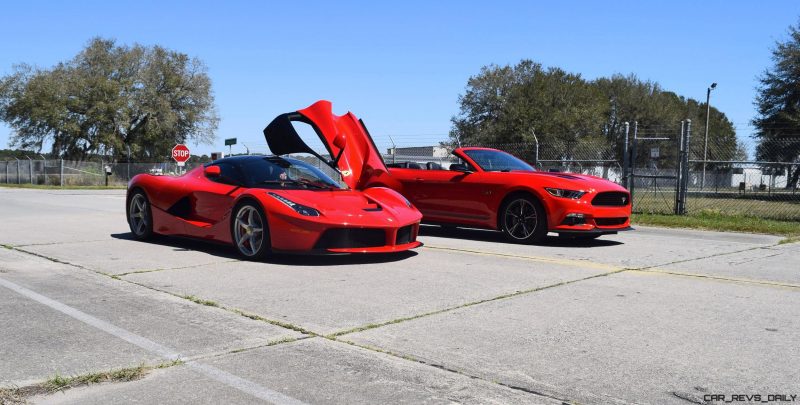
(301, 209)
(564, 193)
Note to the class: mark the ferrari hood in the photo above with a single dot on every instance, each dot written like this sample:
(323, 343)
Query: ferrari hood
(357, 160)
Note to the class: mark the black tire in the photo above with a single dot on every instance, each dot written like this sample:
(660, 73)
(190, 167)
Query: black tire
(518, 214)
(244, 235)
(139, 215)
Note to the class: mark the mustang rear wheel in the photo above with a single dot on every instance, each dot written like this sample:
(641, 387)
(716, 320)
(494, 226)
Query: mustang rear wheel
(140, 217)
(250, 232)
(523, 220)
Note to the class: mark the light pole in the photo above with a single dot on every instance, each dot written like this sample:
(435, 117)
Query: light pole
(705, 148)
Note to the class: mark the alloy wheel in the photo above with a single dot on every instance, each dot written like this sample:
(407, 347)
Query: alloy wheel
(520, 219)
(138, 214)
(248, 230)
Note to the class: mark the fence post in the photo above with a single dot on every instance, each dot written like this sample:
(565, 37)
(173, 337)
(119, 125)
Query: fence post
(684, 183)
(61, 173)
(679, 170)
(30, 168)
(625, 160)
(7, 162)
(632, 160)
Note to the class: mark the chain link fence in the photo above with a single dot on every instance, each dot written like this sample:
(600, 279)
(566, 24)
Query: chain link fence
(85, 173)
(730, 181)
(734, 178)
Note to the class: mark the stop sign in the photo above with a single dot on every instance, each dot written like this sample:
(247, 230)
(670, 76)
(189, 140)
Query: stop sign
(180, 153)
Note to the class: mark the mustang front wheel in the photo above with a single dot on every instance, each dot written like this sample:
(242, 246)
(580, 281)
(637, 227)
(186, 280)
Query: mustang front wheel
(250, 232)
(140, 218)
(523, 220)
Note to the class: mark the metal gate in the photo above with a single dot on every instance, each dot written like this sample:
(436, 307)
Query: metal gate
(657, 169)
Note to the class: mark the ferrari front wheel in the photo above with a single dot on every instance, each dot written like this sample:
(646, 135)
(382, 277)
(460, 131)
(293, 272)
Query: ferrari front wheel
(140, 217)
(523, 220)
(250, 232)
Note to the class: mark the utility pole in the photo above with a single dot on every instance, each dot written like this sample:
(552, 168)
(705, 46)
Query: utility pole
(705, 148)
(536, 143)
(394, 148)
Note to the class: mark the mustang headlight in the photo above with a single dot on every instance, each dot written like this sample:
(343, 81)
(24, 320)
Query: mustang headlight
(564, 193)
(301, 209)
(408, 203)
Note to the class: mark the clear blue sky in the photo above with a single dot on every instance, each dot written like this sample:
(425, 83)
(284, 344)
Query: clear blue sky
(401, 65)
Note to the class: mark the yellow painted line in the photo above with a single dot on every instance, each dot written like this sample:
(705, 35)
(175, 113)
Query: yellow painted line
(656, 270)
(540, 259)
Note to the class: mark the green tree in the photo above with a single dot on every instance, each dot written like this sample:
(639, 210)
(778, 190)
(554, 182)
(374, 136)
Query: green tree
(778, 102)
(507, 104)
(109, 98)
(575, 118)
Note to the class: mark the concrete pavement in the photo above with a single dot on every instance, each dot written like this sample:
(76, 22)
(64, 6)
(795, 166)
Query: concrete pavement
(651, 316)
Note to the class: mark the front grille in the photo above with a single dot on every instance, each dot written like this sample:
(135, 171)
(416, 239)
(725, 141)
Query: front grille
(405, 235)
(612, 199)
(351, 238)
(610, 221)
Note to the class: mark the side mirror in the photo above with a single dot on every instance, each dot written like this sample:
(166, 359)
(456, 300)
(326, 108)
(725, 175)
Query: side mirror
(340, 141)
(212, 171)
(458, 167)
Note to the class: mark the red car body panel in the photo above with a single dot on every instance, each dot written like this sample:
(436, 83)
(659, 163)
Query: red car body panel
(196, 206)
(474, 199)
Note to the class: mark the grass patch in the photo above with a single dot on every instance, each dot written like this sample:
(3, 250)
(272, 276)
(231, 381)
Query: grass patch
(19, 395)
(715, 221)
(51, 187)
(58, 382)
(200, 301)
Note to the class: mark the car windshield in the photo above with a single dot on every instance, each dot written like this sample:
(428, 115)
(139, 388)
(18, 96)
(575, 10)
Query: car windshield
(497, 161)
(280, 172)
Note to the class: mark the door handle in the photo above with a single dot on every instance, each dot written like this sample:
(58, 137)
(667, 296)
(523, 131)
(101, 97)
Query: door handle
(419, 180)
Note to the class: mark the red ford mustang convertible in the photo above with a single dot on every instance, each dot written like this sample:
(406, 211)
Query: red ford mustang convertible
(263, 204)
(492, 189)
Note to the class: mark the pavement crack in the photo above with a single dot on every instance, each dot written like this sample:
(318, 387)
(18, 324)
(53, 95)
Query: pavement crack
(191, 298)
(703, 257)
(687, 397)
(540, 259)
(271, 343)
(61, 243)
(719, 278)
(452, 370)
(191, 266)
(469, 304)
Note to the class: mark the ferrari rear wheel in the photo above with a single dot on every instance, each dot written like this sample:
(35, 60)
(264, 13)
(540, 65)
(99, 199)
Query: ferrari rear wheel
(523, 220)
(250, 232)
(140, 217)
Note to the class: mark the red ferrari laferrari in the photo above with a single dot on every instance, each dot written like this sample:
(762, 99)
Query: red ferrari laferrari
(263, 204)
(492, 189)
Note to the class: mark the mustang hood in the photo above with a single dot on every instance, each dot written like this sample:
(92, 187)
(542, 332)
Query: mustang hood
(358, 160)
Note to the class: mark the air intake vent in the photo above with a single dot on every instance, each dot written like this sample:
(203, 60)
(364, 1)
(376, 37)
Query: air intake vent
(610, 221)
(351, 238)
(405, 235)
(612, 199)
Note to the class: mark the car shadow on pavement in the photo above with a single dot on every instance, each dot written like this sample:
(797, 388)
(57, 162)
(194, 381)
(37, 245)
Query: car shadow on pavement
(482, 235)
(228, 252)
